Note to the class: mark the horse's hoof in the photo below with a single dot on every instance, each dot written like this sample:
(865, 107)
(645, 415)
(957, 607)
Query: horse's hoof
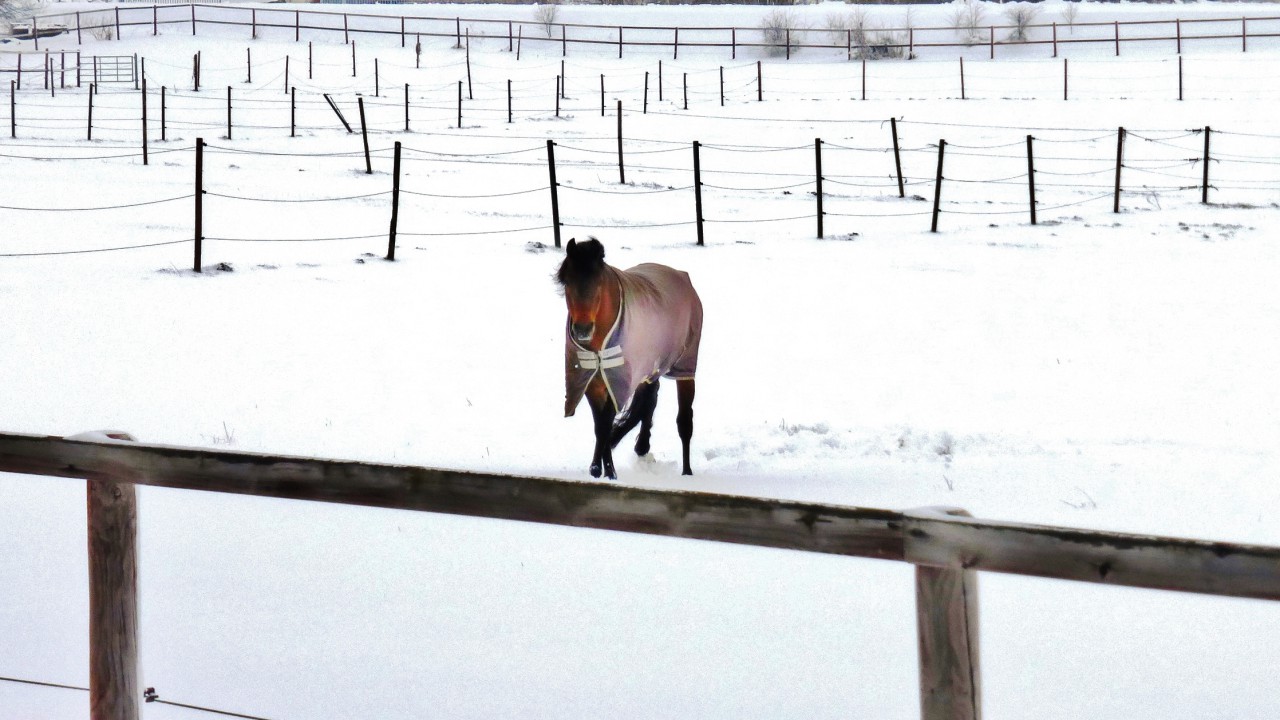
(642, 449)
(595, 470)
(687, 471)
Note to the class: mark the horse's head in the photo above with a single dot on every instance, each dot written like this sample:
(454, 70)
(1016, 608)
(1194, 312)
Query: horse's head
(582, 276)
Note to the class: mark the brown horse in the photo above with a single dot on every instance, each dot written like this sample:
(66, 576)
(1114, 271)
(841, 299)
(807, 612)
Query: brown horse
(626, 329)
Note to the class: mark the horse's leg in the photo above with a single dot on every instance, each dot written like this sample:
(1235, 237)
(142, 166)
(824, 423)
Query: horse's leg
(602, 460)
(646, 418)
(684, 419)
(639, 413)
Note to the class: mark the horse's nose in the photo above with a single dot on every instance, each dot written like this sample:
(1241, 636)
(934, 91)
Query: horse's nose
(582, 331)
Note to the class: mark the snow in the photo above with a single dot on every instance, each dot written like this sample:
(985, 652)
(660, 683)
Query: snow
(1096, 370)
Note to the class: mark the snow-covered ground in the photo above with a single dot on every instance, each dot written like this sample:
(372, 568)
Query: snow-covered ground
(1097, 370)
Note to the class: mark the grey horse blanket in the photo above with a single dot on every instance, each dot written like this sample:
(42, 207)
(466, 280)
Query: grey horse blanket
(657, 333)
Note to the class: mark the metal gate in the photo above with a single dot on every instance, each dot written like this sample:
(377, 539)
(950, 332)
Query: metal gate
(114, 68)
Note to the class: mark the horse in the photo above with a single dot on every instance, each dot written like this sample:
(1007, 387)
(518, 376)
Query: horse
(625, 330)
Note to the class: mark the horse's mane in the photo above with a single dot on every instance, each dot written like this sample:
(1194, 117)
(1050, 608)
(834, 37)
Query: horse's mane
(583, 264)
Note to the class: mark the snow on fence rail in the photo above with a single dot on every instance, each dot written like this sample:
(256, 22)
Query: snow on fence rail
(981, 38)
(946, 546)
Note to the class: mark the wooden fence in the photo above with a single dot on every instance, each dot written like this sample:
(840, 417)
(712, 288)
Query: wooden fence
(863, 41)
(946, 546)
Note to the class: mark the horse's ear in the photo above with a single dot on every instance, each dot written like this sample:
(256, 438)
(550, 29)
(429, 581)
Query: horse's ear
(573, 243)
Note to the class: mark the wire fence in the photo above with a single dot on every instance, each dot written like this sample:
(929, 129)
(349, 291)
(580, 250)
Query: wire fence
(885, 173)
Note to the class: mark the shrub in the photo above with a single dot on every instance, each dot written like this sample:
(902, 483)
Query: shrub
(545, 14)
(1021, 16)
(776, 27)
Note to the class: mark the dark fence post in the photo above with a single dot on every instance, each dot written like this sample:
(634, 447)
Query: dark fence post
(145, 155)
(228, 112)
(1031, 177)
(721, 86)
(897, 156)
(622, 175)
(1064, 78)
(555, 195)
(697, 187)
(13, 110)
(199, 238)
(937, 186)
(395, 201)
(286, 73)
(759, 83)
(459, 104)
(645, 106)
(659, 81)
(559, 81)
(509, 115)
(364, 134)
(113, 599)
(293, 112)
(817, 153)
(248, 65)
(962, 95)
(1179, 78)
(1119, 163)
(601, 94)
(92, 87)
(686, 91)
(1204, 186)
(470, 96)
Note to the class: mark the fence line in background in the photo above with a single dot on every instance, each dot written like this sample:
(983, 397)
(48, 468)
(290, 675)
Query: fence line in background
(889, 41)
(1177, 168)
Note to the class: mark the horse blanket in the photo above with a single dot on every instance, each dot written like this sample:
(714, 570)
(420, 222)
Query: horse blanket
(657, 333)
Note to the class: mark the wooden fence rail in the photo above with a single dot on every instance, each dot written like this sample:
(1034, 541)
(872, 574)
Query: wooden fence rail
(946, 546)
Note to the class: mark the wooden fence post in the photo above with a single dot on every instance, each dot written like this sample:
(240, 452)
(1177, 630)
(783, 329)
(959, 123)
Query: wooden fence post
(406, 104)
(293, 112)
(686, 91)
(601, 94)
(1204, 186)
(459, 104)
(364, 134)
(470, 95)
(228, 112)
(113, 599)
(395, 201)
(697, 187)
(817, 156)
(897, 156)
(13, 110)
(555, 195)
(962, 95)
(92, 87)
(1179, 78)
(759, 83)
(947, 627)
(1064, 78)
(509, 114)
(622, 175)
(645, 106)
(937, 186)
(145, 155)
(1119, 163)
(1031, 177)
(199, 232)
(721, 86)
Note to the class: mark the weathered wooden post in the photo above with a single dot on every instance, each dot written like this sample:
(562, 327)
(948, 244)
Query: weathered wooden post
(817, 158)
(395, 202)
(1031, 177)
(112, 511)
(947, 629)
(1119, 163)
(937, 186)
(1204, 187)
(199, 229)
(364, 134)
(697, 187)
(622, 173)
(897, 156)
(555, 194)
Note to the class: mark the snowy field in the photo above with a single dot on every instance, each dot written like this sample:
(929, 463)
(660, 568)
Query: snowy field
(1096, 370)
